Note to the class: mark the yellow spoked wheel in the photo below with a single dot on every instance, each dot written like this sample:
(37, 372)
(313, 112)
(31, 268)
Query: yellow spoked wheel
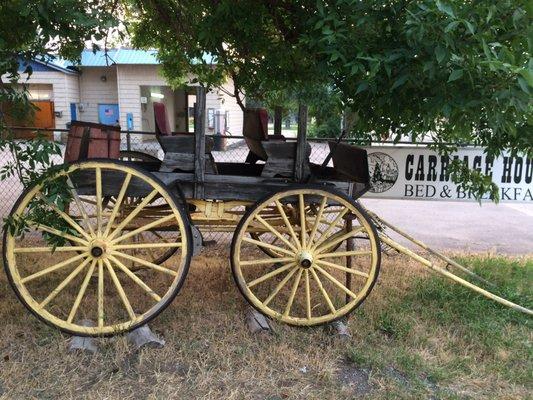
(323, 265)
(68, 253)
(160, 233)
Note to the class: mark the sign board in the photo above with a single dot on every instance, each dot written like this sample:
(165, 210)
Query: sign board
(421, 173)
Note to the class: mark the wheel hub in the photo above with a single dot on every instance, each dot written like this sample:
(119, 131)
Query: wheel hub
(305, 259)
(97, 251)
(98, 248)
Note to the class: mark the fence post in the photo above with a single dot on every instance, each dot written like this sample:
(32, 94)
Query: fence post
(128, 141)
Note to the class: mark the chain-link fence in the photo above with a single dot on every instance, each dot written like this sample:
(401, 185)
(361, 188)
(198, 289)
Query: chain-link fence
(225, 149)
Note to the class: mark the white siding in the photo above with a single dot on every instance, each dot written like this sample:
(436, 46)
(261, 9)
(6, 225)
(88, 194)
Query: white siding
(60, 94)
(235, 114)
(130, 79)
(94, 91)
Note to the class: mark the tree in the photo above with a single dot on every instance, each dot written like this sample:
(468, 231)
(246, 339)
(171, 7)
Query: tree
(460, 71)
(33, 29)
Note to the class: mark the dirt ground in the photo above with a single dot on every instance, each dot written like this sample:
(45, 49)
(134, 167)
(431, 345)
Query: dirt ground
(415, 337)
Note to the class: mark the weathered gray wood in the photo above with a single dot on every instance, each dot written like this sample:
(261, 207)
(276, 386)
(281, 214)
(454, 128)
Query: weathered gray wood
(199, 135)
(185, 162)
(235, 187)
(256, 321)
(281, 159)
(144, 337)
(301, 146)
(278, 113)
(350, 161)
(83, 344)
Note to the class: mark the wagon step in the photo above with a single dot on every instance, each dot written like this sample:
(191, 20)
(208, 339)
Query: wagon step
(445, 271)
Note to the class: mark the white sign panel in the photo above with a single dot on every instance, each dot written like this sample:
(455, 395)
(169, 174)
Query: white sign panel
(421, 173)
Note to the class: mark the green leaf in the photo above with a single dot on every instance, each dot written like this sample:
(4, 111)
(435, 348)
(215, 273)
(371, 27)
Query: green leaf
(400, 81)
(440, 53)
(456, 74)
(470, 27)
(445, 8)
(523, 84)
(527, 74)
(361, 87)
(451, 26)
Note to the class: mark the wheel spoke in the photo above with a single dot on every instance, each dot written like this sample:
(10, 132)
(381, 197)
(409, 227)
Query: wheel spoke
(342, 268)
(267, 261)
(81, 293)
(135, 278)
(308, 295)
(330, 227)
(275, 232)
(98, 173)
(323, 291)
(145, 246)
(267, 245)
(64, 283)
(120, 290)
(48, 249)
(303, 233)
(57, 232)
(330, 243)
(100, 293)
(336, 282)
(279, 286)
(144, 228)
(145, 263)
(54, 267)
(344, 254)
(271, 274)
(80, 205)
(317, 220)
(67, 218)
(293, 293)
(118, 203)
(132, 214)
(287, 223)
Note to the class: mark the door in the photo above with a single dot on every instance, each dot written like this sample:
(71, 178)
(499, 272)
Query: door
(108, 114)
(42, 117)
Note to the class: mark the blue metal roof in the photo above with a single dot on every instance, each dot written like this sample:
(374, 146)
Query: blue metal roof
(112, 57)
(118, 56)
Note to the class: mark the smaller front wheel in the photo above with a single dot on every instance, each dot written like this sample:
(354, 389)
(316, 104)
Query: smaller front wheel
(324, 256)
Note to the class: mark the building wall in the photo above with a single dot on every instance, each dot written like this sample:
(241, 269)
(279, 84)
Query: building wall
(235, 114)
(61, 92)
(130, 78)
(94, 91)
(122, 87)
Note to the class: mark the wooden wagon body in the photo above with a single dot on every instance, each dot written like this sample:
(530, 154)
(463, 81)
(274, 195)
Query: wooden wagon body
(301, 242)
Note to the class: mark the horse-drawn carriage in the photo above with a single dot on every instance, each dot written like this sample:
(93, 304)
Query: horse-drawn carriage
(102, 246)
(116, 247)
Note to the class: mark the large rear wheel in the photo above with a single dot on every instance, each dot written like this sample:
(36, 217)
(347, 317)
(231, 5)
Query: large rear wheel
(68, 257)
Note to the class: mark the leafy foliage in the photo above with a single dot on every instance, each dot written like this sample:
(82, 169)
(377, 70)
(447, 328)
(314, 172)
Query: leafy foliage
(41, 30)
(461, 72)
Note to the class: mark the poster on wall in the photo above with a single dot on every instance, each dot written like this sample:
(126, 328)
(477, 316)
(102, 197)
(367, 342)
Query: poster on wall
(421, 173)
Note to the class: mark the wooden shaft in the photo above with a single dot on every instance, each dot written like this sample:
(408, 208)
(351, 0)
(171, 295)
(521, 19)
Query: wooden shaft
(432, 251)
(453, 277)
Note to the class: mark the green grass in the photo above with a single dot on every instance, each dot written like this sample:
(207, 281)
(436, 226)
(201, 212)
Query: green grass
(417, 336)
(473, 337)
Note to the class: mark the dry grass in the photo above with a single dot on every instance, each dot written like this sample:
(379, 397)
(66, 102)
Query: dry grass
(409, 341)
